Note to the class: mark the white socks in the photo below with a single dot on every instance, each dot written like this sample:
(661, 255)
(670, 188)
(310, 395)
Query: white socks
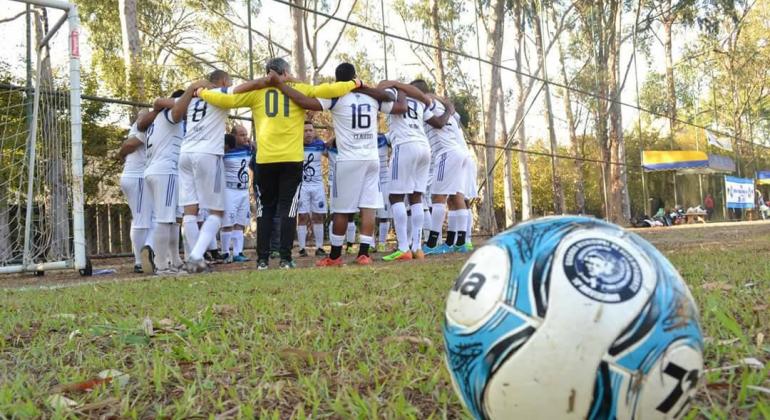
(237, 238)
(384, 229)
(162, 240)
(208, 232)
(191, 233)
(418, 218)
(438, 212)
(351, 234)
(302, 235)
(138, 240)
(336, 240)
(318, 234)
(462, 220)
(225, 236)
(173, 241)
(400, 222)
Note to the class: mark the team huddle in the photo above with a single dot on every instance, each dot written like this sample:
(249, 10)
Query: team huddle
(185, 167)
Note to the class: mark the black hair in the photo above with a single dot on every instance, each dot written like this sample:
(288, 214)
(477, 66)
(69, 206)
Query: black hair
(308, 122)
(177, 93)
(345, 72)
(422, 85)
(217, 76)
(230, 141)
(278, 65)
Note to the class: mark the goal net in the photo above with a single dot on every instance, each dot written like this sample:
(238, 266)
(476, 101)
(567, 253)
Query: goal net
(41, 175)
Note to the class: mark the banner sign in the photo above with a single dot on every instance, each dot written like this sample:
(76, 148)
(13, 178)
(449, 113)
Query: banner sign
(740, 192)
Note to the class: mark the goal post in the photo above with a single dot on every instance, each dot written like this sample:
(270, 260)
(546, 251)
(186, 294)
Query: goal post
(41, 150)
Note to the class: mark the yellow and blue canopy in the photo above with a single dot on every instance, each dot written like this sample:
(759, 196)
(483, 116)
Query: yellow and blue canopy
(686, 161)
(763, 177)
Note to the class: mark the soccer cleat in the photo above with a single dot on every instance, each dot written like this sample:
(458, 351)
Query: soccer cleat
(382, 248)
(262, 265)
(462, 249)
(398, 255)
(419, 255)
(138, 268)
(147, 255)
(469, 246)
(303, 252)
(240, 258)
(287, 264)
(363, 260)
(432, 251)
(196, 266)
(227, 258)
(328, 262)
(350, 250)
(275, 255)
(320, 252)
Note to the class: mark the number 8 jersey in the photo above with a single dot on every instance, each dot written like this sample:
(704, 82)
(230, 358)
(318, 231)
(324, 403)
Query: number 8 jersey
(204, 126)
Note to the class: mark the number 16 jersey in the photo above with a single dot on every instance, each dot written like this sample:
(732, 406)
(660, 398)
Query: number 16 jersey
(355, 125)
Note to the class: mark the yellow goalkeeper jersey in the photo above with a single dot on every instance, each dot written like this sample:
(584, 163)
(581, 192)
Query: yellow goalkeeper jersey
(279, 121)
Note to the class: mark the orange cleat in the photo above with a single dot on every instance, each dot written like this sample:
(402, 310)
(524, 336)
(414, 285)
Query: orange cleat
(419, 255)
(363, 260)
(398, 255)
(328, 262)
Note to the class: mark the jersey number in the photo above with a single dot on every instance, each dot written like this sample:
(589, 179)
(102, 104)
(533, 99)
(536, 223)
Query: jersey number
(361, 117)
(411, 108)
(199, 111)
(150, 130)
(271, 103)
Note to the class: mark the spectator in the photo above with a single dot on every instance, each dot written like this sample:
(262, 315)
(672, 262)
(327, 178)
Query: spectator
(708, 203)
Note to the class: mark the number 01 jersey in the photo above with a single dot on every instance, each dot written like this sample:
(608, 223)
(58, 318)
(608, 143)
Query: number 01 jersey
(237, 167)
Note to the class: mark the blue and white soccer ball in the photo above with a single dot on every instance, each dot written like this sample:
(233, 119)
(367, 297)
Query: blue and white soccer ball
(571, 317)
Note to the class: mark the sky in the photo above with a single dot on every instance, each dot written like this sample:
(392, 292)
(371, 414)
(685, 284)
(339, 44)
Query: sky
(402, 63)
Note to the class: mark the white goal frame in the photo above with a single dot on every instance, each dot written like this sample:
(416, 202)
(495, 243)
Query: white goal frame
(79, 260)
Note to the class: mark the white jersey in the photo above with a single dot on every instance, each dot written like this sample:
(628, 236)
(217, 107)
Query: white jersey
(445, 138)
(237, 167)
(408, 127)
(164, 138)
(136, 160)
(205, 126)
(383, 144)
(311, 166)
(355, 125)
(459, 135)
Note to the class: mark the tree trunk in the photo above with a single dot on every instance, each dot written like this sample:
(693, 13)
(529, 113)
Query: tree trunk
(298, 42)
(558, 194)
(668, 23)
(509, 203)
(494, 51)
(132, 51)
(580, 197)
(521, 135)
(619, 209)
(437, 52)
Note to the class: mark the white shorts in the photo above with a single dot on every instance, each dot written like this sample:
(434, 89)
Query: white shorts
(163, 190)
(139, 201)
(409, 168)
(312, 199)
(471, 188)
(356, 186)
(237, 207)
(384, 212)
(201, 181)
(449, 174)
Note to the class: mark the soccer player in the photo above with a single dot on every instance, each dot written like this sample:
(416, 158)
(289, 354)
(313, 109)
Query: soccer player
(279, 124)
(164, 139)
(312, 194)
(355, 185)
(470, 193)
(383, 214)
(409, 164)
(133, 152)
(238, 152)
(201, 174)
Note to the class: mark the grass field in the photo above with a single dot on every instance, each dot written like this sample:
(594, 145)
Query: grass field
(352, 342)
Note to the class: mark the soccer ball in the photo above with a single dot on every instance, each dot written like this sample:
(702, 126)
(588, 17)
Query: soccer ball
(572, 317)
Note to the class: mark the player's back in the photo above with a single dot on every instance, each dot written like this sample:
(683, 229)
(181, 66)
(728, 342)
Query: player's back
(164, 140)
(355, 125)
(408, 127)
(445, 138)
(383, 146)
(205, 124)
(311, 165)
(236, 163)
(136, 161)
(279, 123)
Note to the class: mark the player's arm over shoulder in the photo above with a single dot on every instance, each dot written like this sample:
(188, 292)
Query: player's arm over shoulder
(327, 90)
(225, 98)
